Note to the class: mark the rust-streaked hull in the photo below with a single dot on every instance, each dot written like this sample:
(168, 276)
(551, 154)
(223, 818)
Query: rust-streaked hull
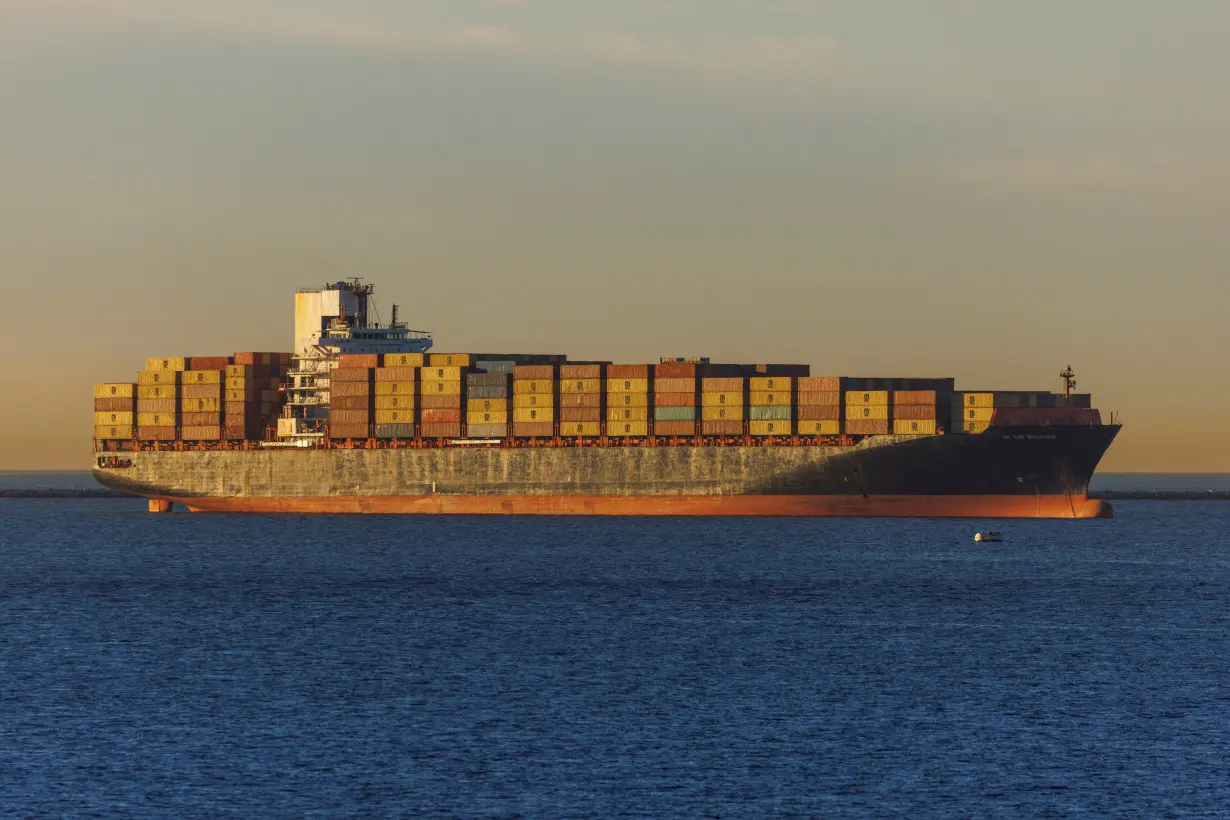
(901, 506)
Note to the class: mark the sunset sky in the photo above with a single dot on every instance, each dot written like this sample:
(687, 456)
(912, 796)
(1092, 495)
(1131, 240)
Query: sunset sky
(986, 190)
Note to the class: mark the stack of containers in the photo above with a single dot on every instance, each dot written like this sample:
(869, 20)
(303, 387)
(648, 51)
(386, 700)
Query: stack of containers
(580, 399)
(115, 407)
(158, 399)
(674, 399)
(867, 412)
(488, 395)
(351, 395)
(627, 400)
(770, 402)
(972, 412)
(251, 401)
(915, 412)
(722, 400)
(440, 395)
(818, 406)
(534, 400)
(394, 402)
(200, 402)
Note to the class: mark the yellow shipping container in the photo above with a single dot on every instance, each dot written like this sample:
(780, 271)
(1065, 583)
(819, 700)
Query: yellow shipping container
(627, 399)
(394, 402)
(867, 398)
(524, 414)
(767, 384)
(118, 418)
(391, 416)
(580, 428)
(157, 419)
(436, 388)
(487, 405)
(114, 390)
(201, 377)
(975, 426)
(401, 360)
(487, 417)
(770, 428)
(533, 386)
(440, 374)
(158, 377)
(627, 385)
(454, 360)
(157, 391)
(914, 428)
(114, 432)
(978, 400)
(760, 398)
(577, 386)
(200, 405)
(627, 428)
(711, 413)
(721, 399)
(819, 428)
(878, 412)
(166, 363)
(627, 414)
(395, 388)
(533, 400)
(977, 413)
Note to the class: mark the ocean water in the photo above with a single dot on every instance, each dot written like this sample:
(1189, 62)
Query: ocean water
(333, 666)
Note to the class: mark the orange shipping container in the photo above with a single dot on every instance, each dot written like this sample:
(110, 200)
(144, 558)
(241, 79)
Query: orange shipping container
(358, 360)
(534, 372)
(819, 412)
(209, 362)
(826, 397)
(580, 414)
(156, 433)
(442, 430)
(441, 416)
(395, 374)
(721, 385)
(580, 400)
(914, 397)
(819, 384)
(201, 391)
(674, 370)
(348, 430)
(157, 405)
(115, 405)
(915, 412)
(200, 419)
(348, 416)
(350, 374)
(867, 427)
(580, 371)
(721, 428)
(674, 400)
(627, 371)
(445, 402)
(674, 428)
(211, 432)
(533, 429)
(350, 389)
(542, 386)
(673, 385)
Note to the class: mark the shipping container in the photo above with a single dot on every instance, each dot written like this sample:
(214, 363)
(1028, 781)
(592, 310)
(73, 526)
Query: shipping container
(395, 388)
(914, 427)
(440, 388)
(496, 366)
(488, 392)
(915, 397)
(627, 371)
(877, 412)
(114, 432)
(623, 428)
(674, 370)
(487, 405)
(358, 361)
(674, 400)
(580, 428)
(978, 414)
(115, 390)
(340, 431)
(535, 429)
(211, 432)
(165, 406)
(208, 363)
(157, 419)
(533, 400)
(534, 372)
(630, 385)
(200, 419)
(451, 416)
(580, 385)
(674, 414)
(394, 430)
(867, 398)
(393, 416)
(770, 384)
(394, 402)
(974, 399)
(975, 426)
(915, 412)
(247, 371)
(674, 428)
(351, 374)
(724, 385)
(487, 430)
(770, 428)
(770, 413)
(593, 400)
(158, 377)
(818, 412)
(266, 359)
(104, 419)
(573, 372)
(826, 397)
(627, 414)
(721, 428)
(758, 398)
(348, 402)
(349, 416)
(445, 402)
(661, 385)
(449, 359)
(819, 427)
(201, 391)
(580, 414)
(200, 405)
(541, 386)
(157, 391)
(487, 417)
(166, 363)
(728, 399)
(440, 374)
(123, 405)
(391, 360)
(819, 384)
(719, 413)
(157, 433)
(347, 389)
(403, 375)
(533, 414)
(488, 380)
(627, 399)
(867, 427)
(202, 377)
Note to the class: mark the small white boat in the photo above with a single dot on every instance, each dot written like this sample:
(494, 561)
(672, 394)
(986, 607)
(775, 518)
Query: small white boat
(988, 536)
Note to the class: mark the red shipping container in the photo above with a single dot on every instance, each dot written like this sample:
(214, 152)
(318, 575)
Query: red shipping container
(867, 427)
(674, 428)
(156, 433)
(627, 371)
(265, 359)
(438, 402)
(441, 417)
(674, 399)
(819, 384)
(674, 371)
(348, 430)
(350, 402)
(157, 405)
(914, 412)
(201, 419)
(208, 362)
(351, 374)
(580, 371)
(533, 429)
(580, 414)
(350, 360)
(113, 405)
(526, 372)
(818, 412)
(672, 385)
(441, 430)
(818, 397)
(580, 400)
(727, 385)
(722, 428)
(345, 417)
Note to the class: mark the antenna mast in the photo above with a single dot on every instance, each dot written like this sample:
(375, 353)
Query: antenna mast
(1069, 380)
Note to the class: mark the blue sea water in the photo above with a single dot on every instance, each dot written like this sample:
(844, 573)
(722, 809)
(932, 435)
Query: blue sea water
(333, 666)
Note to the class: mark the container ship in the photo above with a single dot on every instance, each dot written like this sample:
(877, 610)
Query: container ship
(362, 417)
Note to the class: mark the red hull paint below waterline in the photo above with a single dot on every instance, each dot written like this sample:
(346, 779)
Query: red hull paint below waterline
(901, 506)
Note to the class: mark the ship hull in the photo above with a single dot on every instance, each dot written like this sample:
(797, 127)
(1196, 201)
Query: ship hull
(1007, 472)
